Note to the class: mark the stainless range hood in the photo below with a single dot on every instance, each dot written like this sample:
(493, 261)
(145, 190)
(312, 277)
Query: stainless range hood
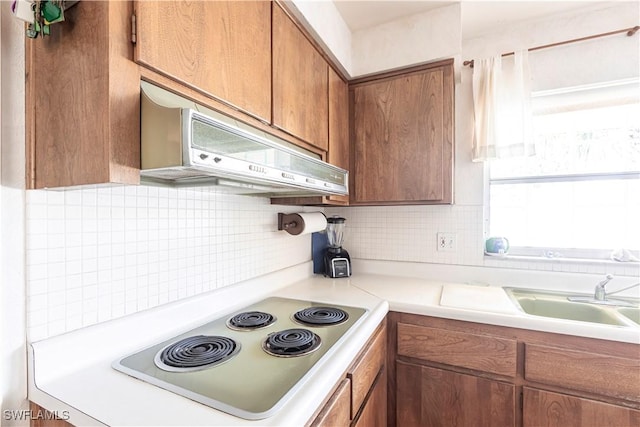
(186, 144)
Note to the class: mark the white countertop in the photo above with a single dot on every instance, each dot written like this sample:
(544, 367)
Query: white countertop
(477, 303)
(93, 393)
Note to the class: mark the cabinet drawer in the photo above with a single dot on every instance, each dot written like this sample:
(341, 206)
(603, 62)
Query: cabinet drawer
(479, 352)
(592, 372)
(365, 370)
(336, 411)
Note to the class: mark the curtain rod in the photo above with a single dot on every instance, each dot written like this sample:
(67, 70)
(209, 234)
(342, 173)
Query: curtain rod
(629, 31)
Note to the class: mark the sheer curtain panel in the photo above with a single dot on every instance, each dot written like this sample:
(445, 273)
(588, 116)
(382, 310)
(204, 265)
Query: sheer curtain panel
(502, 108)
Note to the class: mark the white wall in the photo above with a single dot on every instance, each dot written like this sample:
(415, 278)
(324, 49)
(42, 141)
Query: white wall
(415, 39)
(409, 233)
(324, 21)
(13, 372)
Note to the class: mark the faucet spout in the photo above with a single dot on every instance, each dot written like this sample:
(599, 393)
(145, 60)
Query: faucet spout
(600, 292)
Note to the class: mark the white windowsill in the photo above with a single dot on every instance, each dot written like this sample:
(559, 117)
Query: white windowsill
(540, 259)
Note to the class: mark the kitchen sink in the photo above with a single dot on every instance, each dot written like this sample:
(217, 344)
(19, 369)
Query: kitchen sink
(630, 313)
(556, 305)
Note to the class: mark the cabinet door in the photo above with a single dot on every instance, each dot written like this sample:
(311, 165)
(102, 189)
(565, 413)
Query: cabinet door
(374, 412)
(221, 48)
(300, 83)
(544, 408)
(83, 100)
(338, 153)
(336, 412)
(403, 138)
(435, 397)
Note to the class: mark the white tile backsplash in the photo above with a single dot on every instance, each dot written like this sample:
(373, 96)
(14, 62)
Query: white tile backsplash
(94, 254)
(408, 233)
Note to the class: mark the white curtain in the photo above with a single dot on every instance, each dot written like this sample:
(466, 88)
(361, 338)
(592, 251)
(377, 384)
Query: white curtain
(502, 108)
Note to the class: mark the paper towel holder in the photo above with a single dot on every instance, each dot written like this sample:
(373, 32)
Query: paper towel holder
(291, 223)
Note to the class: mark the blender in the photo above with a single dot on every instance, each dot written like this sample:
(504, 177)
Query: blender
(336, 260)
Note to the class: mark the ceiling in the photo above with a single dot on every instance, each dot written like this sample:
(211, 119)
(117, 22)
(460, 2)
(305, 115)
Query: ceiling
(478, 16)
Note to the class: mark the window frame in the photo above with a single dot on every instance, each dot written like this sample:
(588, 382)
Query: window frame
(542, 252)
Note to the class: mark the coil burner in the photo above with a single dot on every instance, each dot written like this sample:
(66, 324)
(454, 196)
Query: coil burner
(251, 320)
(291, 343)
(321, 316)
(226, 364)
(196, 353)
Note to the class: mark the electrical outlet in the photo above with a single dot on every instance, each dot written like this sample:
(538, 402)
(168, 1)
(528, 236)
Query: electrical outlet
(446, 242)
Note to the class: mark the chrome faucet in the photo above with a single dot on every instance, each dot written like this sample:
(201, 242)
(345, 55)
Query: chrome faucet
(601, 293)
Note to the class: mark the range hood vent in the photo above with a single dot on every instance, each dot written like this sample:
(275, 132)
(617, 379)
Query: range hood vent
(186, 144)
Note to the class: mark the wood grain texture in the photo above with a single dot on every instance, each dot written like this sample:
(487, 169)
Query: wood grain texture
(402, 138)
(436, 397)
(83, 103)
(222, 48)
(605, 374)
(365, 370)
(479, 352)
(392, 354)
(300, 83)
(563, 365)
(374, 412)
(338, 151)
(548, 409)
(337, 411)
(40, 417)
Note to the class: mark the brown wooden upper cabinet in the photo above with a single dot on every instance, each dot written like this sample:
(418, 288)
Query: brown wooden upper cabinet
(220, 48)
(247, 59)
(83, 100)
(338, 152)
(402, 133)
(300, 83)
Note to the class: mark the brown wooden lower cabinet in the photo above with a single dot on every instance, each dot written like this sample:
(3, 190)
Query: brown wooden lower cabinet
(544, 408)
(366, 395)
(337, 411)
(457, 373)
(437, 397)
(374, 413)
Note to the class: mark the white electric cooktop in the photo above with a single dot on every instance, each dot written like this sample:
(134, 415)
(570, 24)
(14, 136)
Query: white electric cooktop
(250, 362)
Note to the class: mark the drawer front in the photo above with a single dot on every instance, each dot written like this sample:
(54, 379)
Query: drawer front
(479, 352)
(336, 412)
(592, 372)
(365, 370)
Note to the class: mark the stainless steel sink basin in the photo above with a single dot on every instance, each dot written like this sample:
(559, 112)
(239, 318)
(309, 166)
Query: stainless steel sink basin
(630, 313)
(556, 305)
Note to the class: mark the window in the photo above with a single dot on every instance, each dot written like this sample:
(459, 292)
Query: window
(580, 194)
